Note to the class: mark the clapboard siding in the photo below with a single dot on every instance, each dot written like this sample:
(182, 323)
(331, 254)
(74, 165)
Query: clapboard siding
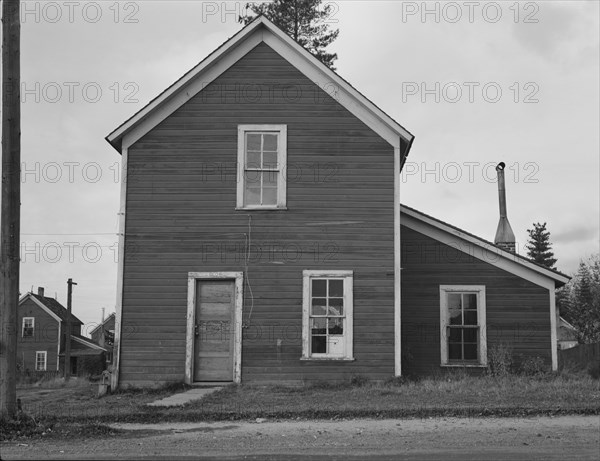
(517, 311)
(45, 336)
(181, 217)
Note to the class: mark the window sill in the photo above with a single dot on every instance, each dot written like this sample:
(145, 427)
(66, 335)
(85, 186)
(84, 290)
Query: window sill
(261, 208)
(327, 359)
(463, 365)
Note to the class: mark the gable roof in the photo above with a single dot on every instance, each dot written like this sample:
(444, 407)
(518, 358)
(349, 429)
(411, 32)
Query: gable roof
(258, 31)
(52, 307)
(489, 252)
(106, 320)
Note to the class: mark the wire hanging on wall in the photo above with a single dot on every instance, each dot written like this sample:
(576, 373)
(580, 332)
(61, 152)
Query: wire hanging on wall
(246, 271)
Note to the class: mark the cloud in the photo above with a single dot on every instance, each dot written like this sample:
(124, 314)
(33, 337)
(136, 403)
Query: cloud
(577, 234)
(559, 33)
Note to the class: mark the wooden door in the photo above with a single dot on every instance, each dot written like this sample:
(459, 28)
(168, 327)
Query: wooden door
(214, 330)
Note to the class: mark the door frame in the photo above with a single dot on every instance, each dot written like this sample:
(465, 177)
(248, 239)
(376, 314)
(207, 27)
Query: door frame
(238, 279)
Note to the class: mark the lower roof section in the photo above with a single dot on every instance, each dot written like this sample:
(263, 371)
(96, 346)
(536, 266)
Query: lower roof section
(480, 248)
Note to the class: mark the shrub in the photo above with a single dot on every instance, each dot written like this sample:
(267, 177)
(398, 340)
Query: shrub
(396, 381)
(533, 366)
(500, 360)
(358, 380)
(594, 370)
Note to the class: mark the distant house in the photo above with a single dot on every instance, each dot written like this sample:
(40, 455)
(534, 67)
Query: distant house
(567, 335)
(262, 238)
(42, 331)
(104, 335)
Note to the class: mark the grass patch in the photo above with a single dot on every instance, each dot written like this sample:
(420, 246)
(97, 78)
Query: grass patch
(451, 396)
(69, 411)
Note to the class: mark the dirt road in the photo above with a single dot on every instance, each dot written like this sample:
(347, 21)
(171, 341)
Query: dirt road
(566, 437)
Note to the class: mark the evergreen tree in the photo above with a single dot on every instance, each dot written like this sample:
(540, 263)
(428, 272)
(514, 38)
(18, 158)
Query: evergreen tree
(579, 301)
(539, 247)
(303, 20)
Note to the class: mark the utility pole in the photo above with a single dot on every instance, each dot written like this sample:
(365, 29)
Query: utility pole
(11, 203)
(70, 284)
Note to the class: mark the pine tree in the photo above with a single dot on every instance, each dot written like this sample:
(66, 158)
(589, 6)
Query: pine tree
(579, 301)
(539, 247)
(303, 20)
(586, 301)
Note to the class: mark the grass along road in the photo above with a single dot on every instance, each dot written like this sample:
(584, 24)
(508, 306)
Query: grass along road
(453, 396)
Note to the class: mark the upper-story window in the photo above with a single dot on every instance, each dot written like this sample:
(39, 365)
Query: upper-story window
(28, 325)
(262, 158)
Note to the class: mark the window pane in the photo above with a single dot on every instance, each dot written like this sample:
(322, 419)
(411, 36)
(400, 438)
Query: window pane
(270, 179)
(318, 326)
(253, 141)
(318, 306)
(454, 309)
(470, 317)
(269, 188)
(470, 335)
(455, 335)
(454, 301)
(319, 288)
(470, 351)
(269, 197)
(252, 178)
(253, 160)
(269, 160)
(319, 345)
(455, 317)
(336, 306)
(336, 326)
(270, 142)
(454, 352)
(336, 288)
(252, 195)
(469, 301)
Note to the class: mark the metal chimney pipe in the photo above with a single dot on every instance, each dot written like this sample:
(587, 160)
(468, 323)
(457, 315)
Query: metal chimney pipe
(501, 188)
(505, 236)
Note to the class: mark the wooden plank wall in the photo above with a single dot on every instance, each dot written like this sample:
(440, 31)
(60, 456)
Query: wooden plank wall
(180, 217)
(518, 311)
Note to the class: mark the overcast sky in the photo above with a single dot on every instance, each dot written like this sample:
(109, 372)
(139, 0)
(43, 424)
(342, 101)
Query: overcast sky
(476, 85)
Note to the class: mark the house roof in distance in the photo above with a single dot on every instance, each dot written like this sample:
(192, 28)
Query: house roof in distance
(53, 306)
(81, 345)
(106, 320)
(500, 256)
(260, 30)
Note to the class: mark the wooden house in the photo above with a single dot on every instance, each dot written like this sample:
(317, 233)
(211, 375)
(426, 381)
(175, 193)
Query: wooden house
(104, 335)
(262, 237)
(42, 334)
(567, 335)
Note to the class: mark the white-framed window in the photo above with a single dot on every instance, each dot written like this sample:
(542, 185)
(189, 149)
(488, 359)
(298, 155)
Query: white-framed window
(327, 314)
(462, 325)
(40, 360)
(262, 160)
(28, 327)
